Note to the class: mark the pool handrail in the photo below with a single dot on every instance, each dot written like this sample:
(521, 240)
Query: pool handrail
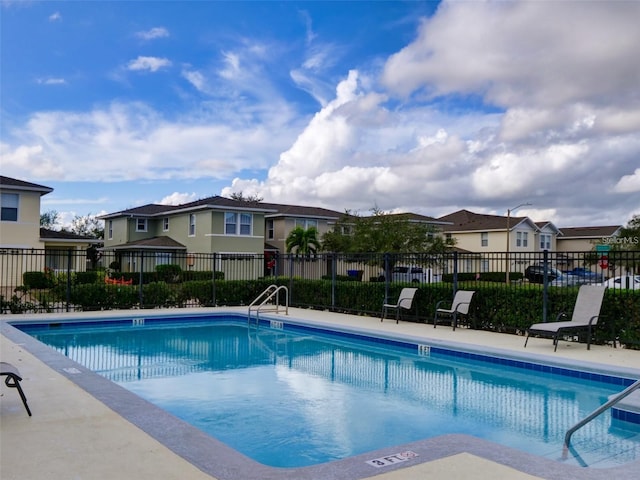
(268, 294)
(605, 406)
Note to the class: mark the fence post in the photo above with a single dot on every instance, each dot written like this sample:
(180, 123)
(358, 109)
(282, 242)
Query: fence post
(387, 277)
(334, 264)
(455, 272)
(140, 279)
(213, 279)
(69, 258)
(545, 284)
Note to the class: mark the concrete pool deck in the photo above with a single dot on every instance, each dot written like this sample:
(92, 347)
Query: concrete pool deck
(73, 435)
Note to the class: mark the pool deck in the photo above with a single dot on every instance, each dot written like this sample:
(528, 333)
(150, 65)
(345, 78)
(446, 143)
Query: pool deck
(73, 435)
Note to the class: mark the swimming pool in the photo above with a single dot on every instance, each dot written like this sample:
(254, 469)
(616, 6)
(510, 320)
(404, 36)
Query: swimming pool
(332, 380)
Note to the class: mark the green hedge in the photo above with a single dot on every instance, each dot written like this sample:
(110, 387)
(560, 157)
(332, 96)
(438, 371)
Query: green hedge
(495, 307)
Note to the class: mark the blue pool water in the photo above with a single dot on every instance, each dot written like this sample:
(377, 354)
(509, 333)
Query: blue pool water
(300, 396)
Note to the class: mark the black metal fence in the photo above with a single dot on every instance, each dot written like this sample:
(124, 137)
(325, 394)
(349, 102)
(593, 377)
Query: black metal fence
(51, 280)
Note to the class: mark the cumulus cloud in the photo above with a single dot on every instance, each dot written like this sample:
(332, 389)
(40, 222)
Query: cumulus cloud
(152, 64)
(178, 198)
(133, 141)
(55, 17)
(629, 183)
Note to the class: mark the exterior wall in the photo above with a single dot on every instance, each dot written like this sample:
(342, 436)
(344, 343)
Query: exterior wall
(56, 256)
(120, 232)
(575, 244)
(25, 233)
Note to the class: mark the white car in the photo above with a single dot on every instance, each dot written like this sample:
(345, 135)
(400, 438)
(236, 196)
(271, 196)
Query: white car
(411, 274)
(630, 282)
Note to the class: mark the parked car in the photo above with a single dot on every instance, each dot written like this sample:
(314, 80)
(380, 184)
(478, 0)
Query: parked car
(630, 282)
(410, 274)
(535, 274)
(585, 275)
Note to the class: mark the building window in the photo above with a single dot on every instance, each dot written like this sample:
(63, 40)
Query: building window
(238, 223)
(270, 232)
(192, 225)
(306, 223)
(141, 225)
(484, 239)
(9, 207)
(164, 258)
(110, 228)
(545, 241)
(165, 224)
(522, 239)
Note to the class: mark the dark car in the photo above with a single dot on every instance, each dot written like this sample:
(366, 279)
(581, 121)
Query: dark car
(535, 274)
(585, 275)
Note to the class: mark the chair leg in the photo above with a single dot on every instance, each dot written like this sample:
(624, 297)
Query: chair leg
(526, 339)
(15, 383)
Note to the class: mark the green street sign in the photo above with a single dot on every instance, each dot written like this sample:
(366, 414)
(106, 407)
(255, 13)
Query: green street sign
(602, 248)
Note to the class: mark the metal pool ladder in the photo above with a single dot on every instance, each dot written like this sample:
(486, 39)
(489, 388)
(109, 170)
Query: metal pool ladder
(261, 303)
(605, 406)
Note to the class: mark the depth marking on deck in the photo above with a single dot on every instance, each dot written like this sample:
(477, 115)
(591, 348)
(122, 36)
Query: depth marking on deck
(392, 459)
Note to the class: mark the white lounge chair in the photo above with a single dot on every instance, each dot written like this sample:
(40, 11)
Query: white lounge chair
(459, 306)
(585, 316)
(405, 301)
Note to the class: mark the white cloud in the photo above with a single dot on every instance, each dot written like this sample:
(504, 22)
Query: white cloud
(55, 17)
(51, 81)
(152, 34)
(152, 64)
(133, 141)
(629, 183)
(178, 198)
(523, 53)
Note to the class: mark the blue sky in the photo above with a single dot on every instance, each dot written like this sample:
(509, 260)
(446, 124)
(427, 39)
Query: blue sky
(426, 107)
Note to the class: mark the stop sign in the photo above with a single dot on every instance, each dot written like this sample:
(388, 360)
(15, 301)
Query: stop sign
(604, 262)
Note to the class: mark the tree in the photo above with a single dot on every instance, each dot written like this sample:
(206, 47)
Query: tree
(303, 242)
(625, 246)
(383, 233)
(49, 219)
(241, 198)
(88, 226)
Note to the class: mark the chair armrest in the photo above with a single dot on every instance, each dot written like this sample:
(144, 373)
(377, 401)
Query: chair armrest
(439, 303)
(461, 303)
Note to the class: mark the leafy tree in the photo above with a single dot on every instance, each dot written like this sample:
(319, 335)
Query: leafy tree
(383, 233)
(49, 219)
(87, 225)
(625, 246)
(303, 242)
(250, 199)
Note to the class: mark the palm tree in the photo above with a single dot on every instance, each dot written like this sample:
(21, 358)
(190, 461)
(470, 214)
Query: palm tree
(303, 242)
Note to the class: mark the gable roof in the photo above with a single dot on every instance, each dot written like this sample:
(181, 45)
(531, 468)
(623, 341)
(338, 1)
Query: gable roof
(466, 221)
(417, 218)
(301, 211)
(215, 202)
(596, 232)
(161, 242)
(15, 184)
(63, 235)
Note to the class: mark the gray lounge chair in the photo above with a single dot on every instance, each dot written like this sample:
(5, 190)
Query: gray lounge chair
(585, 317)
(405, 301)
(459, 306)
(13, 381)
